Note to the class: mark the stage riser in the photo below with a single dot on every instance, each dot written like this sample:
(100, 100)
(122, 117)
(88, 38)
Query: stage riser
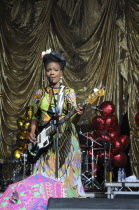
(91, 203)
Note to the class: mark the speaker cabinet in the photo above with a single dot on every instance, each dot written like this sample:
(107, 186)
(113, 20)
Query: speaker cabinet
(91, 203)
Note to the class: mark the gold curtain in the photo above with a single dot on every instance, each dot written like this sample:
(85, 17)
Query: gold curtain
(132, 24)
(100, 40)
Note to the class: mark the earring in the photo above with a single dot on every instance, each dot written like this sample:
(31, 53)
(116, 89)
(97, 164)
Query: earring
(60, 81)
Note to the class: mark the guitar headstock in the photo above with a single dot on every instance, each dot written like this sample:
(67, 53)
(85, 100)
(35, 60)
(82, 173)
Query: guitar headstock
(93, 96)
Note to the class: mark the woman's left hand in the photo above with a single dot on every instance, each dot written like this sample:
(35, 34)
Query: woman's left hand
(79, 109)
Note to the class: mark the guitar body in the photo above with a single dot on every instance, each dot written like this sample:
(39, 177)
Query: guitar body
(36, 149)
(43, 138)
(34, 154)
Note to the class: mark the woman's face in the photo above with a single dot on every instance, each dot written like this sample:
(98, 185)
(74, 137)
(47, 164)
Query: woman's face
(54, 72)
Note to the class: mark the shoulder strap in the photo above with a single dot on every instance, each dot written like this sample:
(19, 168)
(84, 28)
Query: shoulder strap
(60, 101)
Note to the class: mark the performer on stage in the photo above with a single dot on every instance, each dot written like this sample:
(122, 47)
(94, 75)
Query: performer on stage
(46, 100)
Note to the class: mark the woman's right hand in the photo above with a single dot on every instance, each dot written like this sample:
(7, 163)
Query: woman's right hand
(32, 137)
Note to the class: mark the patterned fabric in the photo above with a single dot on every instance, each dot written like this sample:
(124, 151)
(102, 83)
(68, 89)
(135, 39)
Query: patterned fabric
(33, 193)
(43, 103)
(69, 170)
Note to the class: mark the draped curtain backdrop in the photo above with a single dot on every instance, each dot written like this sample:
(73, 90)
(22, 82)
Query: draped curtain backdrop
(100, 40)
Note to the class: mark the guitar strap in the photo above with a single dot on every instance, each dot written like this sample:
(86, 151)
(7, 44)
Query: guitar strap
(60, 100)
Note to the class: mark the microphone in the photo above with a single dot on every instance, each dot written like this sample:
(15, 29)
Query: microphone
(96, 108)
(50, 79)
(80, 132)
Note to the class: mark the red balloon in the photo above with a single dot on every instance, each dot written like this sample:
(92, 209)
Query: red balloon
(91, 136)
(90, 152)
(102, 136)
(111, 122)
(106, 138)
(120, 160)
(98, 122)
(114, 134)
(107, 108)
(125, 141)
(137, 119)
(117, 146)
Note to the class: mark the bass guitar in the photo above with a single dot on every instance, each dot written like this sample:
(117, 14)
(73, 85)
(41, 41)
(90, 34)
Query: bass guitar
(43, 138)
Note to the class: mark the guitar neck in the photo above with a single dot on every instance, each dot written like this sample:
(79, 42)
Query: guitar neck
(70, 114)
(52, 127)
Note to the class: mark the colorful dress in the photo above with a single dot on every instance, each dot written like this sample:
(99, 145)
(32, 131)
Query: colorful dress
(69, 163)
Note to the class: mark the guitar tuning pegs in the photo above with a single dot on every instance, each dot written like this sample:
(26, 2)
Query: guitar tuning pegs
(94, 90)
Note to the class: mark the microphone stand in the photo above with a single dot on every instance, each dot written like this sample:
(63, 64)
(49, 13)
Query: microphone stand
(92, 179)
(56, 123)
(104, 144)
(105, 158)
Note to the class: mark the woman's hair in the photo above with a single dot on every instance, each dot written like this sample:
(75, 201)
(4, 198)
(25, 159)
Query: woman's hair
(56, 57)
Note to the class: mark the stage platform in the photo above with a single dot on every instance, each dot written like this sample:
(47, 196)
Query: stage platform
(122, 188)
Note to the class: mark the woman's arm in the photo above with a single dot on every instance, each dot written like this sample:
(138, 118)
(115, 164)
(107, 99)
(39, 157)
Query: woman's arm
(79, 112)
(71, 99)
(32, 136)
(35, 118)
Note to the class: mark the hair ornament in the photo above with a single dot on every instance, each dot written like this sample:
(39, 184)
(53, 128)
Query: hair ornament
(46, 52)
(53, 56)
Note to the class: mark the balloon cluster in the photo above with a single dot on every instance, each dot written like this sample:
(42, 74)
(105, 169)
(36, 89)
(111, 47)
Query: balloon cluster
(107, 131)
(22, 136)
